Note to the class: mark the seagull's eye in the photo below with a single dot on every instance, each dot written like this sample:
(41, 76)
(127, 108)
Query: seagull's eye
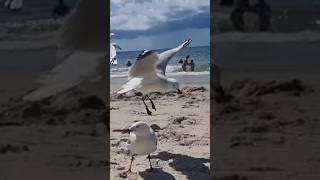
(137, 126)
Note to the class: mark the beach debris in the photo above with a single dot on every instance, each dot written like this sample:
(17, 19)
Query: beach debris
(13, 148)
(178, 120)
(249, 87)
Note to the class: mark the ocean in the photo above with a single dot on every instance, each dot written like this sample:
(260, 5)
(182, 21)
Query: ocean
(200, 56)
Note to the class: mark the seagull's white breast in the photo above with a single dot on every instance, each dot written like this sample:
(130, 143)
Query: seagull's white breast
(141, 145)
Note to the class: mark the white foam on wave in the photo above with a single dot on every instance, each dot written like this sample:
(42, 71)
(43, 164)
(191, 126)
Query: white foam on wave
(172, 70)
(189, 73)
(118, 75)
(125, 74)
(121, 69)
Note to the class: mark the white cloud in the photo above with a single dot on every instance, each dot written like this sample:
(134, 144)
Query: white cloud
(146, 14)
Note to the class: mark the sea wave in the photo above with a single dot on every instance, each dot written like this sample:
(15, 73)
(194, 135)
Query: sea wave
(172, 70)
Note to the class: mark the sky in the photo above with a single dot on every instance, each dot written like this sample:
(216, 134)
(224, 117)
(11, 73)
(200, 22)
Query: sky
(157, 24)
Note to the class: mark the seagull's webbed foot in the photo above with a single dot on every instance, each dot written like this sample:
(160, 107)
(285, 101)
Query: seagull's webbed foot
(152, 104)
(147, 109)
(150, 162)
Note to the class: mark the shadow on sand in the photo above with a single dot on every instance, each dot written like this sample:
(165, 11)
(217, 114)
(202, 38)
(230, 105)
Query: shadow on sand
(192, 167)
(156, 174)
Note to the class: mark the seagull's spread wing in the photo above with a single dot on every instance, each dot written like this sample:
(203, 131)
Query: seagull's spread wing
(85, 28)
(130, 85)
(165, 57)
(75, 69)
(82, 47)
(16, 4)
(7, 3)
(145, 65)
(13, 4)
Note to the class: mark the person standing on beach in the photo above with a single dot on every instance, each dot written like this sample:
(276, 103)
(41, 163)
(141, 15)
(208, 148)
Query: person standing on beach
(264, 14)
(185, 64)
(192, 65)
(188, 67)
(129, 63)
(60, 10)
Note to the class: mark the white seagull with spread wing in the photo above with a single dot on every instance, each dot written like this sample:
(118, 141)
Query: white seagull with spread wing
(148, 74)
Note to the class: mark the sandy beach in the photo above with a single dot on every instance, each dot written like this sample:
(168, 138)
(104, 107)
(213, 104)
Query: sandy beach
(64, 136)
(182, 122)
(61, 137)
(266, 125)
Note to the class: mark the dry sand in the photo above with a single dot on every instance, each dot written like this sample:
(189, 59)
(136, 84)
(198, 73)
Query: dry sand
(183, 134)
(62, 137)
(267, 127)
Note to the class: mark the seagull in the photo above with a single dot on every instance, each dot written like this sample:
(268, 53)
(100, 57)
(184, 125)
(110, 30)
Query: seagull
(113, 52)
(142, 141)
(148, 74)
(82, 48)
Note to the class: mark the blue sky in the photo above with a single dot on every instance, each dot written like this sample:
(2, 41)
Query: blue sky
(156, 24)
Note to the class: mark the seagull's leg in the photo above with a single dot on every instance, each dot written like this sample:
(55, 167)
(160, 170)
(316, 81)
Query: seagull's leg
(131, 163)
(153, 106)
(150, 161)
(148, 111)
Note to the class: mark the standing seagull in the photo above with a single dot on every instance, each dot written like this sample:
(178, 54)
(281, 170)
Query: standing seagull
(142, 141)
(148, 74)
(83, 49)
(113, 51)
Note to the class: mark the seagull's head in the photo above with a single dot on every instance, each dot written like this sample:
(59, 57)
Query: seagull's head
(144, 54)
(140, 128)
(173, 85)
(116, 46)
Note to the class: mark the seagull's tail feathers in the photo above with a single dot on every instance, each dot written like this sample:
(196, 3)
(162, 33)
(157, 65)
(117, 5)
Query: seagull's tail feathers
(130, 85)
